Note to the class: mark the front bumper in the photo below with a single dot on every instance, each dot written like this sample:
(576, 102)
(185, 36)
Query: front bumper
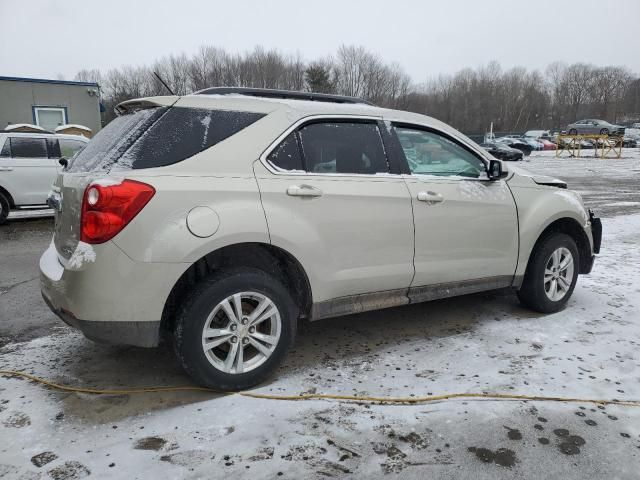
(596, 231)
(109, 297)
(596, 236)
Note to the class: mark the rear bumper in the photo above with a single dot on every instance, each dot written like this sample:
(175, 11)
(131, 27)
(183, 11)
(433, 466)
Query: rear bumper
(140, 334)
(108, 296)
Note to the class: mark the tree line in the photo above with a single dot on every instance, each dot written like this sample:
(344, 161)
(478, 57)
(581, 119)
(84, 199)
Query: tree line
(516, 99)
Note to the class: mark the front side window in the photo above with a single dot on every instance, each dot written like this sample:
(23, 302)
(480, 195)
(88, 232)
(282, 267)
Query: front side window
(26, 147)
(68, 148)
(429, 153)
(343, 147)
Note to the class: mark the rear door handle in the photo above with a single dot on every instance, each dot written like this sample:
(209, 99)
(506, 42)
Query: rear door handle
(6, 169)
(430, 197)
(303, 191)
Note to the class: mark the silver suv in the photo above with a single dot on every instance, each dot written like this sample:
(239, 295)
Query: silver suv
(220, 219)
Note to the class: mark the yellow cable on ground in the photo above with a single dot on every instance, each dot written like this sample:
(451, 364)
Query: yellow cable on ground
(323, 396)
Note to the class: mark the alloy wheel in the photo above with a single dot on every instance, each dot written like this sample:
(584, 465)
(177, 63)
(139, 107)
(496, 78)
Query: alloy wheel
(241, 332)
(558, 274)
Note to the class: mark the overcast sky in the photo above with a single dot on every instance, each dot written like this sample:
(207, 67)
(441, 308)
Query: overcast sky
(45, 38)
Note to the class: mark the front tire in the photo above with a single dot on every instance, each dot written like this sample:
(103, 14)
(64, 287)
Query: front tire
(235, 329)
(5, 206)
(573, 131)
(604, 131)
(551, 274)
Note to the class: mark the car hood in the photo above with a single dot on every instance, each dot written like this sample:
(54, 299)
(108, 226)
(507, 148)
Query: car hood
(538, 179)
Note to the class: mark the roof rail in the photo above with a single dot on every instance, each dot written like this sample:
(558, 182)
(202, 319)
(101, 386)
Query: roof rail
(285, 94)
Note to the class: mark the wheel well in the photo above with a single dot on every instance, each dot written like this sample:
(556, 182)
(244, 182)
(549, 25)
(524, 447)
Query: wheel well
(268, 258)
(570, 227)
(9, 197)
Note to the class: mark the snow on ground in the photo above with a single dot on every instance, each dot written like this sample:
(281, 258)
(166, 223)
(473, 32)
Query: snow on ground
(593, 178)
(484, 342)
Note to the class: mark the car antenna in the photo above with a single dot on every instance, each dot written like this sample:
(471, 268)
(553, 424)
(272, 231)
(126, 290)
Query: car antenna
(163, 83)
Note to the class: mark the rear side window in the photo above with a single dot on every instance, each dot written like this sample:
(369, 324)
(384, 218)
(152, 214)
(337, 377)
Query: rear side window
(157, 137)
(28, 147)
(181, 133)
(286, 156)
(343, 147)
(110, 143)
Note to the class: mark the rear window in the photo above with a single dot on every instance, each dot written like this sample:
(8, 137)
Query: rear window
(157, 137)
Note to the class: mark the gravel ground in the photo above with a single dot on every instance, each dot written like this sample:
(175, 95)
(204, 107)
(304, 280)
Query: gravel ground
(483, 342)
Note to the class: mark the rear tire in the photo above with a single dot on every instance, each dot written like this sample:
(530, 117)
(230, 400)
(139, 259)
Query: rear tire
(604, 131)
(551, 274)
(222, 350)
(5, 206)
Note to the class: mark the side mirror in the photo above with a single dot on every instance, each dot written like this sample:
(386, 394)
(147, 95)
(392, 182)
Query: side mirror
(495, 170)
(64, 161)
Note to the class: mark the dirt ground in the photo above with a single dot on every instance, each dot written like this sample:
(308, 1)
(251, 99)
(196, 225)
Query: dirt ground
(477, 343)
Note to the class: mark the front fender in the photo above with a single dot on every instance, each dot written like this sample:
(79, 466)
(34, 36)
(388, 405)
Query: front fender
(539, 207)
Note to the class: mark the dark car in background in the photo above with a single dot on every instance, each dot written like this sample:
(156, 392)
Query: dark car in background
(516, 143)
(502, 151)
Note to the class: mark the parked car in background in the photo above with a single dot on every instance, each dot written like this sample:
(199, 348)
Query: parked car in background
(503, 151)
(535, 143)
(572, 143)
(536, 134)
(516, 143)
(547, 144)
(629, 141)
(287, 193)
(594, 127)
(29, 163)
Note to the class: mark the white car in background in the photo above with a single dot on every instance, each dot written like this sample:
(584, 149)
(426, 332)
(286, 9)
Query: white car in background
(29, 163)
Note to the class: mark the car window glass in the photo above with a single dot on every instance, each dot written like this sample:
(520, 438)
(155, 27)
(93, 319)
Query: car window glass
(6, 149)
(68, 148)
(343, 147)
(429, 153)
(53, 147)
(28, 147)
(286, 155)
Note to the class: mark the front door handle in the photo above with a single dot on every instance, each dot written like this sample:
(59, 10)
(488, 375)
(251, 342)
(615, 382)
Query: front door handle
(6, 169)
(303, 191)
(430, 197)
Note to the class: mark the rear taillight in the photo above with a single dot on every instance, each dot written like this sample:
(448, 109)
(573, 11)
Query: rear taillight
(107, 209)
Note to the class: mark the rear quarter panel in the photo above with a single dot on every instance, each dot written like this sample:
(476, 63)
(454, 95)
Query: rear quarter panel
(160, 233)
